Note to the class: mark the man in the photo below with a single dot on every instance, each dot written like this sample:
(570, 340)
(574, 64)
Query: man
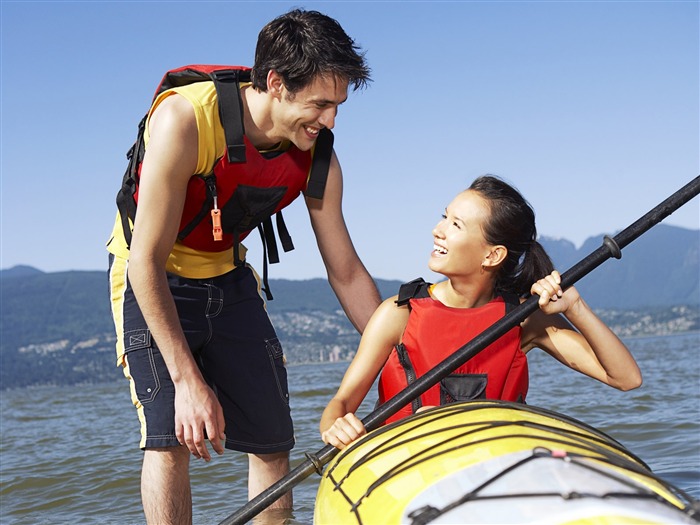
(193, 335)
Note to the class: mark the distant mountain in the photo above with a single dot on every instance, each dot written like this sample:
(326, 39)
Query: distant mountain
(660, 268)
(57, 327)
(19, 271)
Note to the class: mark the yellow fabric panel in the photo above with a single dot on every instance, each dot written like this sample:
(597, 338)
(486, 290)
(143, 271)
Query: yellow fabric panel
(117, 289)
(185, 261)
(212, 143)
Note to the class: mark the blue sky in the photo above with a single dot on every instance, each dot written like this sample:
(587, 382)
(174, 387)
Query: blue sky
(590, 108)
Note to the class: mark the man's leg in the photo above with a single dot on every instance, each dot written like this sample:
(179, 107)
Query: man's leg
(165, 486)
(165, 482)
(263, 471)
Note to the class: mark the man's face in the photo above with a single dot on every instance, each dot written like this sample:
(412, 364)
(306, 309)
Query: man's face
(300, 116)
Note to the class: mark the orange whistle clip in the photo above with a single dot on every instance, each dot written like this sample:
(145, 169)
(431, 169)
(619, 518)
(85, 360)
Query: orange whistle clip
(216, 222)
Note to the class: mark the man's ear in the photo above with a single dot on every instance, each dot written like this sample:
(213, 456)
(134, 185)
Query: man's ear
(275, 85)
(496, 256)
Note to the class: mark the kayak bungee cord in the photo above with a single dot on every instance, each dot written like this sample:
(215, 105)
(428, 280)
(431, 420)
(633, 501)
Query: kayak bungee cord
(428, 513)
(388, 444)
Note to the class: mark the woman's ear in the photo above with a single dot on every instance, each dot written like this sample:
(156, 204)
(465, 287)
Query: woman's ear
(496, 256)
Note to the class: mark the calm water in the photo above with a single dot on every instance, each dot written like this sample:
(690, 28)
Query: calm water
(70, 454)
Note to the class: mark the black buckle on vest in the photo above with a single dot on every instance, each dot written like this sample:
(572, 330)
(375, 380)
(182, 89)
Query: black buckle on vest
(225, 75)
(235, 153)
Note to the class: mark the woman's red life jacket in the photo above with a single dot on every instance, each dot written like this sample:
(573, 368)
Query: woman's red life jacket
(433, 332)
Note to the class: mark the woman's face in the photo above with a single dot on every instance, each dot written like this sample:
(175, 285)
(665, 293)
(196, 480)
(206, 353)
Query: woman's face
(459, 245)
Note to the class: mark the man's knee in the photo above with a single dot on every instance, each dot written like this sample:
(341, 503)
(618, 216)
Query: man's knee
(177, 458)
(266, 469)
(276, 464)
(270, 459)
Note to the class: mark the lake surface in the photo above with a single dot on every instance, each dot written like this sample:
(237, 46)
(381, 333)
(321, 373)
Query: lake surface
(70, 454)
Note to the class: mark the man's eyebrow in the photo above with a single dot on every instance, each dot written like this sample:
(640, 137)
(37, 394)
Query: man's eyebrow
(326, 101)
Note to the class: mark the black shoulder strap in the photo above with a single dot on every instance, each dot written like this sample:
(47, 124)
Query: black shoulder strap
(125, 196)
(417, 288)
(512, 300)
(226, 82)
(321, 164)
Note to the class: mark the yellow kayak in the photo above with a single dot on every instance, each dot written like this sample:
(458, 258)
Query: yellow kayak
(494, 462)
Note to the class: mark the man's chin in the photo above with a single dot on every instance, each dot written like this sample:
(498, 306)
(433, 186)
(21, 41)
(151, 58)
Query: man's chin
(305, 144)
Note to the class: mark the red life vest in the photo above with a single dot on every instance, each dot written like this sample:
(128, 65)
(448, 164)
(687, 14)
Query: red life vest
(249, 187)
(433, 332)
(247, 193)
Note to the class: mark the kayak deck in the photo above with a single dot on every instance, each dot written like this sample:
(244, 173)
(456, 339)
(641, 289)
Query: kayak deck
(493, 462)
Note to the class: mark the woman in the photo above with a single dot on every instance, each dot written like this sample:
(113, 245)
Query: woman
(486, 246)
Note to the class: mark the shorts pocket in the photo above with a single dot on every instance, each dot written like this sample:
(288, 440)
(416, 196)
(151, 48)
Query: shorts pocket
(276, 355)
(136, 339)
(463, 387)
(144, 362)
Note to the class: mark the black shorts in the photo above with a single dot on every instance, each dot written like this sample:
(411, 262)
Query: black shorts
(237, 350)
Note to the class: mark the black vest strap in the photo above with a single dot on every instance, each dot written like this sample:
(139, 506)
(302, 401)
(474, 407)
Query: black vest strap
(322, 162)
(511, 299)
(125, 197)
(265, 283)
(226, 82)
(205, 210)
(287, 244)
(236, 245)
(413, 289)
(268, 233)
(127, 207)
(270, 251)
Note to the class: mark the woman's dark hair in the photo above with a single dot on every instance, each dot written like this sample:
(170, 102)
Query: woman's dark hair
(301, 45)
(512, 224)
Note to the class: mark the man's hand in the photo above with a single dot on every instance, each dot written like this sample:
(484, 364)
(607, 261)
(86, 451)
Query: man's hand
(198, 416)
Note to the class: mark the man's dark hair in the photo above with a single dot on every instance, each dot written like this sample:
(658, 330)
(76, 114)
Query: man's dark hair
(301, 45)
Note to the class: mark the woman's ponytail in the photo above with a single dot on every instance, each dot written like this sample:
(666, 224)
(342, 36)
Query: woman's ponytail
(512, 224)
(535, 265)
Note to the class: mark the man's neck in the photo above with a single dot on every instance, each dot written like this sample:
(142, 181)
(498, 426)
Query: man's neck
(256, 118)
